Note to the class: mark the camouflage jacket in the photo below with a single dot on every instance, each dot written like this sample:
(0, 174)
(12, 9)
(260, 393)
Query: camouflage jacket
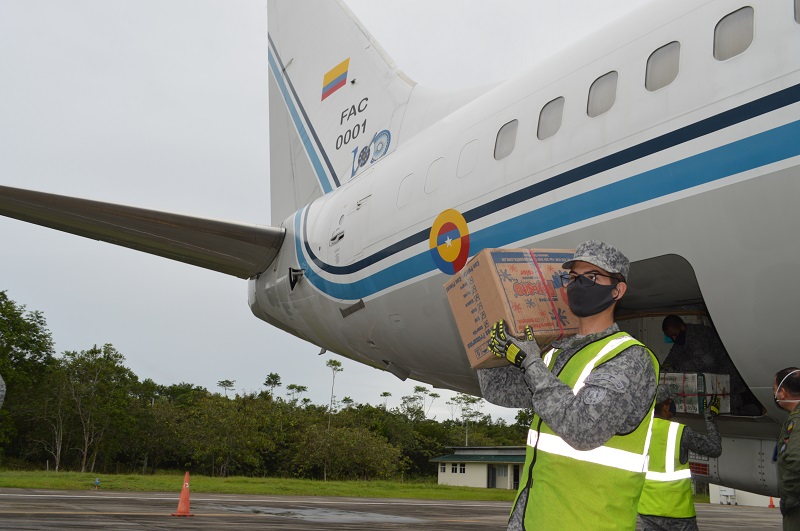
(788, 461)
(703, 352)
(615, 397)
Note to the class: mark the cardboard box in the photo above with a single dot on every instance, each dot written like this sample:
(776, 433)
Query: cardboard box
(691, 388)
(521, 286)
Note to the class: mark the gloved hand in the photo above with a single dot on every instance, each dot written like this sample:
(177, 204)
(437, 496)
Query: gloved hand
(497, 339)
(514, 350)
(712, 405)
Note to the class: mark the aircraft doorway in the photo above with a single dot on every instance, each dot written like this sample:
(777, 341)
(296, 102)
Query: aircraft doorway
(667, 286)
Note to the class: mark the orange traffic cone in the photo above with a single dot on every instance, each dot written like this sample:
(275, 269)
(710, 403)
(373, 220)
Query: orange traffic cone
(183, 503)
(771, 503)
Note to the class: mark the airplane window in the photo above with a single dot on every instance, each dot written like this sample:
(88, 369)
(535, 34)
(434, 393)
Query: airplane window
(602, 94)
(506, 140)
(733, 34)
(467, 159)
(405, 191)
(435, 176)
(662, 66)
(550, 118)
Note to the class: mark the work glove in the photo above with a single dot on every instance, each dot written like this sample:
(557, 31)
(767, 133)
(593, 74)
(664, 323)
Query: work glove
(712, 405)
(515, 350)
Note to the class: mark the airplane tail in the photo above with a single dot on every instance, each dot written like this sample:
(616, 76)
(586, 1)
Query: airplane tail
(336, 101)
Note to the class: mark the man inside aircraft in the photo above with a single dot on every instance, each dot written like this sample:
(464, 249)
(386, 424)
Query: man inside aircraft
(592, 395)
(786, 391)
(667, 503)
(698, 348)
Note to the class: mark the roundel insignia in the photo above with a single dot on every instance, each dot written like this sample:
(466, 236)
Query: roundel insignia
(449, 242)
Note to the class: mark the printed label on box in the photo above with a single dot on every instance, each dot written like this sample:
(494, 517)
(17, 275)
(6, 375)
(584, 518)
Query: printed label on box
(521, 286)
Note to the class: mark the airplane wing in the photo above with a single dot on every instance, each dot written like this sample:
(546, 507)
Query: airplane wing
(235, 249)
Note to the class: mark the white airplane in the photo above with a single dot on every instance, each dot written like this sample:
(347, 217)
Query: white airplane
(673, 133)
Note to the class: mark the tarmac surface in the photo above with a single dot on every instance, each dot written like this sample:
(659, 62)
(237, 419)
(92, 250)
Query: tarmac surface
(30, 509)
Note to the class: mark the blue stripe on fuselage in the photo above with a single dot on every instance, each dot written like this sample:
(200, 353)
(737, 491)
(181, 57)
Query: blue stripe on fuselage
(276, 65)
(740, 114)
(759, 150)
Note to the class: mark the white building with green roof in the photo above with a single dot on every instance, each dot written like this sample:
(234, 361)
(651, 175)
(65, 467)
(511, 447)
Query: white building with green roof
(493, 467)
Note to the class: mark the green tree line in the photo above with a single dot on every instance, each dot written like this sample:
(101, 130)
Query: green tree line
(87, 411)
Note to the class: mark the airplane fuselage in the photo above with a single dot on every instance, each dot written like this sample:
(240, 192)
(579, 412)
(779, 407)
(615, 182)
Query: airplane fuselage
(705, 168)
(672, 134)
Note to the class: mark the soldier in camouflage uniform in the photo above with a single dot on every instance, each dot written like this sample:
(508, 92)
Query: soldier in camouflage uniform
(698, 348)
(667, 503)
(610, 404)
(786, 388)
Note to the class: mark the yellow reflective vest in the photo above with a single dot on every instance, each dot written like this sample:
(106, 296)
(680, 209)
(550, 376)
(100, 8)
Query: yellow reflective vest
(667, 488)
(595, 489)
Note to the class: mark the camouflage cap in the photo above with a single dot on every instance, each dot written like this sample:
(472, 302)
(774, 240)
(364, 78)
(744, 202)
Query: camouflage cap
(663, 393)
(603, 256)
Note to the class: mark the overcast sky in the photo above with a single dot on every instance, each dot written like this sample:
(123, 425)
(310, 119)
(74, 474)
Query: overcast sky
(163, 104)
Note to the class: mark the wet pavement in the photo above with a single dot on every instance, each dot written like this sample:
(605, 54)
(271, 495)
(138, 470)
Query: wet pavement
(41, 509)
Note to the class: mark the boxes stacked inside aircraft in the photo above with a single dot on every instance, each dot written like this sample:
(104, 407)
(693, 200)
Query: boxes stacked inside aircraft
(691, 390)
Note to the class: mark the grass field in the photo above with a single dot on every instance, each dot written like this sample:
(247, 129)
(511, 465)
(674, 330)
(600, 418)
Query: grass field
(172, 482)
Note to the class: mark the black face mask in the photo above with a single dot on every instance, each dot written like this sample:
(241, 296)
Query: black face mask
(680, 339)
(585, 301)
(673, 408)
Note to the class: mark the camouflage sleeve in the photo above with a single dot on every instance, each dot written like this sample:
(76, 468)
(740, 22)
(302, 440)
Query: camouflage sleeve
(2, 391)
(614, 399)
(504, 386)
(669, 361)
(674, 361)
(710, 445)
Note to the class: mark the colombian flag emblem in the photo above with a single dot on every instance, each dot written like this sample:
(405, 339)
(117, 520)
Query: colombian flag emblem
(335, 78)
(449, 241)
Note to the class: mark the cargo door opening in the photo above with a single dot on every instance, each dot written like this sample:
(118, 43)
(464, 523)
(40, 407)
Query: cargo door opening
(667, 285)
